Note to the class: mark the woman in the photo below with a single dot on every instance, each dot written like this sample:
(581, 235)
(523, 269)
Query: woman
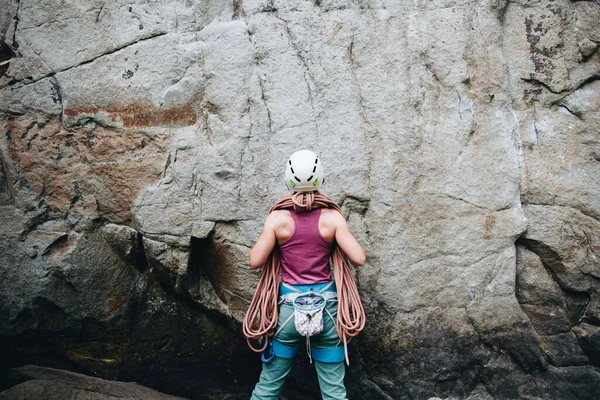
(300, 235)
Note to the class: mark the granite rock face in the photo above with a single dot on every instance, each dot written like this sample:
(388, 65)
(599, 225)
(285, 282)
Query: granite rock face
(144, 141)
(50, 384)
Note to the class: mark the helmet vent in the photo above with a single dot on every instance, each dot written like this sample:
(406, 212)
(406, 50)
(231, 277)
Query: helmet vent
(309, 179)
(296, 178)
(292, 170)
(314, 169)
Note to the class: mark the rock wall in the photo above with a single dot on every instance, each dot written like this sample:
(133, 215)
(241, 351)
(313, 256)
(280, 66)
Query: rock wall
(143, 142)
(47, 383)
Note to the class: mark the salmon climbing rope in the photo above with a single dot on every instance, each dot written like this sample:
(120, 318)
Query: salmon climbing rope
(260, 320)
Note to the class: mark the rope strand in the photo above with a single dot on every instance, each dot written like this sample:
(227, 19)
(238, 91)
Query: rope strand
(260, 320)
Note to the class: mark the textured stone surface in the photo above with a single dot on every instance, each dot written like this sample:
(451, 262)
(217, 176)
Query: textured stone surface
(143, 142)
(47, 384)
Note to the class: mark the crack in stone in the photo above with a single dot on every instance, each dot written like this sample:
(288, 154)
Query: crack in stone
(261, 82)
(59, 97)
(307, 77)
(246, 140)
(7, 178)
(98, 17)
(27, 81)
(538, 82)
(364, 115)
(179, 79)
(463, 200)
(54, 21)
(14, 45)
(575, 114)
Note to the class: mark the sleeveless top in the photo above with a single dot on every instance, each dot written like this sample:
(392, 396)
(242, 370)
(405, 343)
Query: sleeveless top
(305, 255)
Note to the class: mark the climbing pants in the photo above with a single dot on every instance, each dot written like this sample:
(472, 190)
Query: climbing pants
(330, 375)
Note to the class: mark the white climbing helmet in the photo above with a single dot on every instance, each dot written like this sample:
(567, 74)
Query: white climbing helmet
(304, 171)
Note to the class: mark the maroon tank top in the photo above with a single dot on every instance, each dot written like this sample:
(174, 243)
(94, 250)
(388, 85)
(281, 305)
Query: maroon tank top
(305, 255)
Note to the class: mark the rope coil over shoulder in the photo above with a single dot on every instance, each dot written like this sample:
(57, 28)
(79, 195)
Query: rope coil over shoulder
(261, 318)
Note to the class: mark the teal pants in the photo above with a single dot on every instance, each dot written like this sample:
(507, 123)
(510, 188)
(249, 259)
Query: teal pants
(330, 375)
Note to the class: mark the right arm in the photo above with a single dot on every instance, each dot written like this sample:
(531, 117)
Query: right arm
(265, 243)
(347, 242)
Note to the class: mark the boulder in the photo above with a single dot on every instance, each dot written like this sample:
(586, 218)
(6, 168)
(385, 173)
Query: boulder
(49, 384)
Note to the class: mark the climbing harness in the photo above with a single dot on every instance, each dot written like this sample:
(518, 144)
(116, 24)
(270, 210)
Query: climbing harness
(260, 320)
(308, 311)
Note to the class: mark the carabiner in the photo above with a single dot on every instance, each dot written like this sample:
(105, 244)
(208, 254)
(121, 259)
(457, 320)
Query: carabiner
(268, 354)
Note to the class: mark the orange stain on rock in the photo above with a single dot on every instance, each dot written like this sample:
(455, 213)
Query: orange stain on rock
(88, 169)
(139, 115)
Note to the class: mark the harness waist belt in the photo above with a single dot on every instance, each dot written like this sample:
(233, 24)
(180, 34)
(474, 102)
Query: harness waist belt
(290, 297)
(289, 293)
(315, 287)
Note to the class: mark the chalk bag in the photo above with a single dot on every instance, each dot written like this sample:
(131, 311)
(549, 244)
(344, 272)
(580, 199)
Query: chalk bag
(308, 313)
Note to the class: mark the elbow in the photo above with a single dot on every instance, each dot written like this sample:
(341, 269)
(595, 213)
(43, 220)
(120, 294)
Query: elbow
(359, 260)
(255, 263)
(362, 261)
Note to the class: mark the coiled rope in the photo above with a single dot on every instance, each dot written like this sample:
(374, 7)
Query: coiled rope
(260, 320)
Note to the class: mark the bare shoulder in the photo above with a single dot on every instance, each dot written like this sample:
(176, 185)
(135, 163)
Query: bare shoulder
(280, 214)
(332, 217)
(278, 217)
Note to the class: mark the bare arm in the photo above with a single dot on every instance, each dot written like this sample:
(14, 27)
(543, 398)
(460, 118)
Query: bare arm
(347, 242)
(264, 245)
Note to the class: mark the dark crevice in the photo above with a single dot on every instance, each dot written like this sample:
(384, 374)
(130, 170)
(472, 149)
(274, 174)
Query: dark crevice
(34, 222)
(15, 44)
(202, 251)
(208, 273)
(130, 249)
(76, 196)
(574, 113)
(6, 54)
(6, 192)
(177, 297)
(587, 81)
(537, 82)
(58, 245)
(576, 302)
(167, 163)
(57, 97)
(98, 17)
(501, 11)
(48, 315)
(138, 254)
(261, 82)
(549, 257)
